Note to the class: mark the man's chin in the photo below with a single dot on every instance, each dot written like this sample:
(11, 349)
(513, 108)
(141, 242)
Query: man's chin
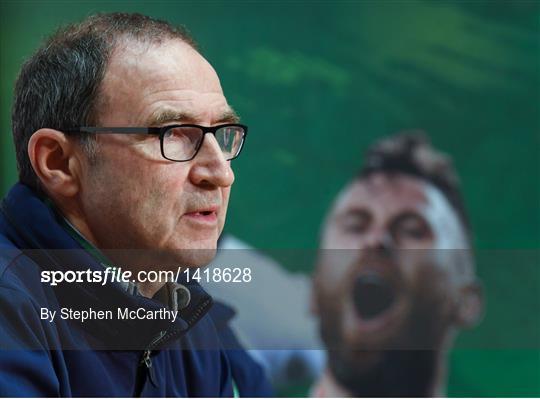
(402, 327)
(359, 360)
(193, 257)
(391, 373)
(161, 259)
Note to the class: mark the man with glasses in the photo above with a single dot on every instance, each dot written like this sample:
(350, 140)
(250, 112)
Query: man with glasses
(124, 140)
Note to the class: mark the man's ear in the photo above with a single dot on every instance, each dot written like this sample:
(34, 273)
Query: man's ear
(52, 156)
(471, 305)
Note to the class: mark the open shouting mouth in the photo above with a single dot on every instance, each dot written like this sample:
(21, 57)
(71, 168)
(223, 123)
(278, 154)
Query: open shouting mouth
(373, 295)
(376, 304)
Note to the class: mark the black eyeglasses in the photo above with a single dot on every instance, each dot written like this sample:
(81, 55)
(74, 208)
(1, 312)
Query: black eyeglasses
(181, 143)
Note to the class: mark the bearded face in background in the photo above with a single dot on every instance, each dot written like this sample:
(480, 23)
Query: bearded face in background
(394, 281)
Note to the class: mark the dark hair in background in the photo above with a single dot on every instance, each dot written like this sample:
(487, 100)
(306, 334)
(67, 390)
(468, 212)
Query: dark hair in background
(411, 153)
(59, 86)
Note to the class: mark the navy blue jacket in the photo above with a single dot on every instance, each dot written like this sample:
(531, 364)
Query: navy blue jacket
(67, 358)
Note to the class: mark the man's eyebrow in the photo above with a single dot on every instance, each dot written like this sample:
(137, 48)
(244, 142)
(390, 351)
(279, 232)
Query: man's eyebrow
(229, 116)
(161, 117)
(168, 115)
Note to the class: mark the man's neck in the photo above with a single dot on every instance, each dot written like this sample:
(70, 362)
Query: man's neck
(74, 219)
(329, 386)
(79, 229)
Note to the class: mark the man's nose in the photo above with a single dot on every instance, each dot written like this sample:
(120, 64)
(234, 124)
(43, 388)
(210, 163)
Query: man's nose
(378, 239)
(209, 167)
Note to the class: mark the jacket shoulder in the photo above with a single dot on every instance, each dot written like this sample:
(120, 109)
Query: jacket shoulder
(20, 277)
(9, 254)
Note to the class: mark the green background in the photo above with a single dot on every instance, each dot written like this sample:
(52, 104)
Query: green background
(317, 82)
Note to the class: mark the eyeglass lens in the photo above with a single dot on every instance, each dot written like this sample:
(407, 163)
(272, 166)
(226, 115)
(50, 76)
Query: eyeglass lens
(181, 143)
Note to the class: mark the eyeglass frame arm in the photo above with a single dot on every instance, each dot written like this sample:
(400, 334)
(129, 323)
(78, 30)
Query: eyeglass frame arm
(160, 131)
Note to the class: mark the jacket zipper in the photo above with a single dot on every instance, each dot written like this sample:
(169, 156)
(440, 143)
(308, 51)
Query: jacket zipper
(164, 337)
(146, 359)
(144, 371)
(145, 365)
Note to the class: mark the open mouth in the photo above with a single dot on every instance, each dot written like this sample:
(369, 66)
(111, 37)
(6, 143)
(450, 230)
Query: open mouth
(373, 295)
(201, 213)
(203, 216)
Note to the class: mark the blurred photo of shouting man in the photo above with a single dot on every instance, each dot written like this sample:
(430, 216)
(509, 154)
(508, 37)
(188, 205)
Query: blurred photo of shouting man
(395, 278)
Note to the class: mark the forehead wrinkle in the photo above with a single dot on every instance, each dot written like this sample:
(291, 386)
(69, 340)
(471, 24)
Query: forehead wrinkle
(154, 98)
(157, 90)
